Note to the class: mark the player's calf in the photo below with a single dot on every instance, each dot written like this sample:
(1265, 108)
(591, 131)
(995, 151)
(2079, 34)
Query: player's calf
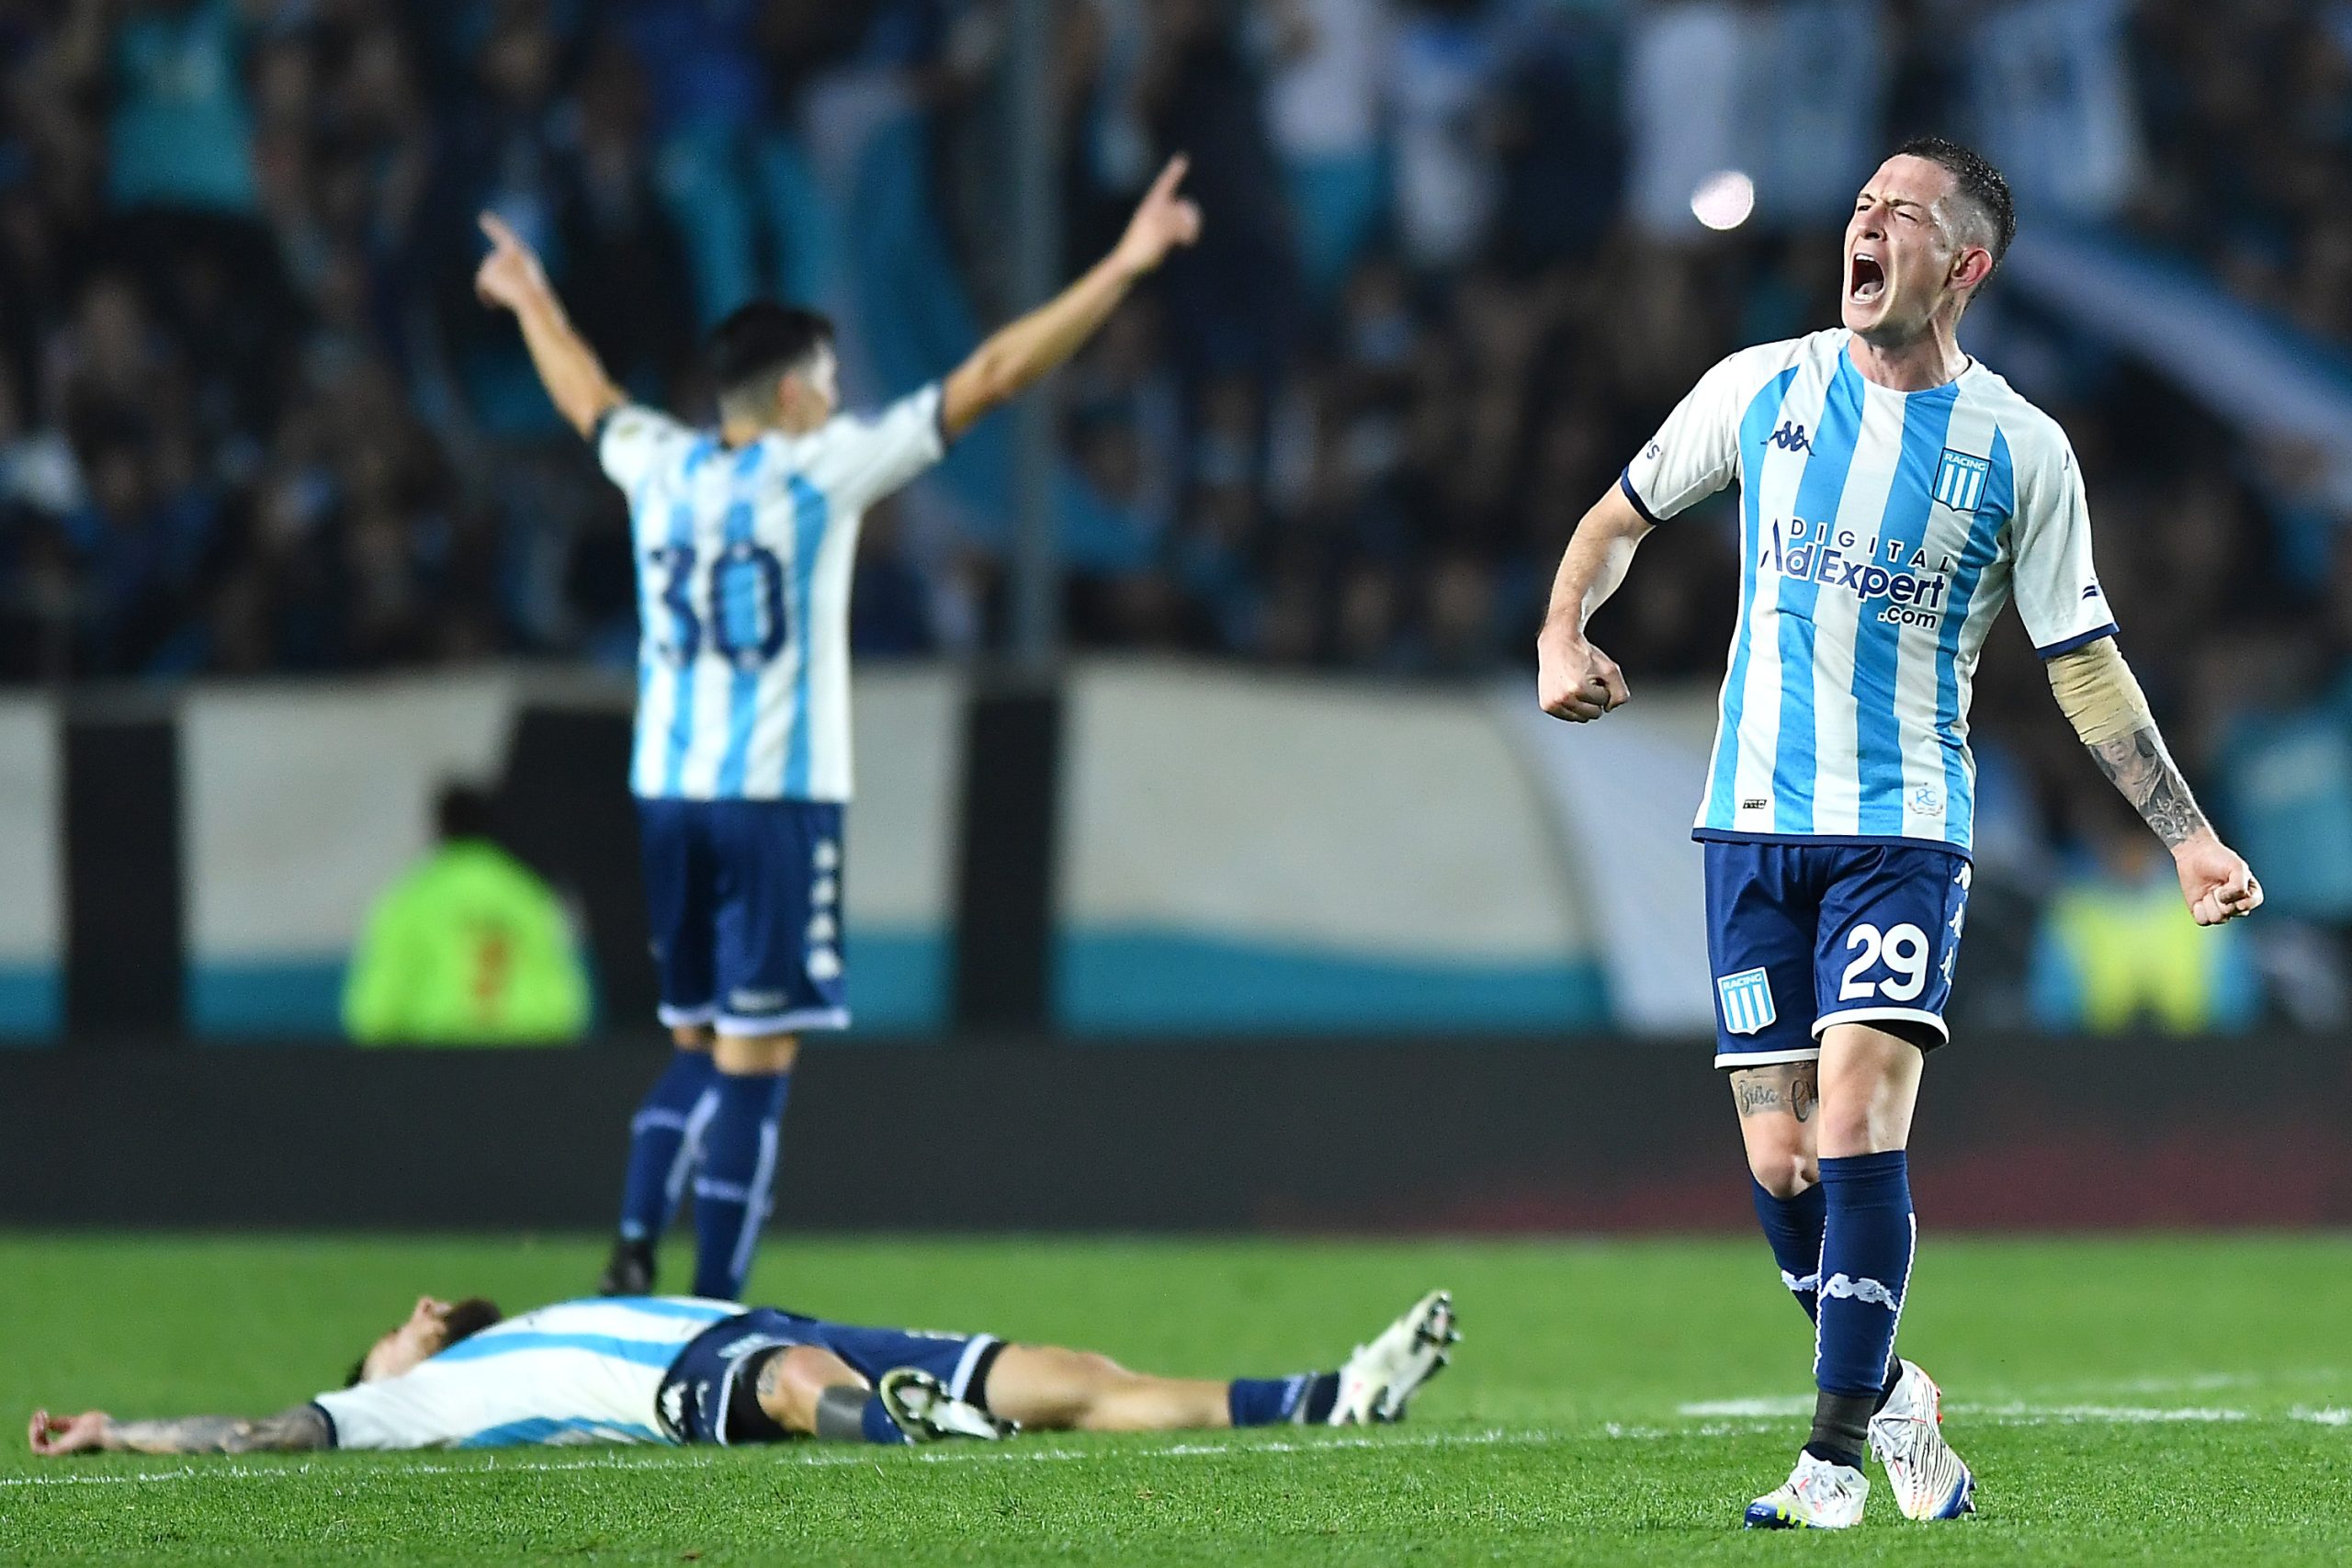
(1047, 1388)
(740, 1146)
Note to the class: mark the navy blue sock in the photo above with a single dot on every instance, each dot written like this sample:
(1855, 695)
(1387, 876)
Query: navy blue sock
(660, 1145)
(738, 1156)
(1794, 1226)
(879, 1427)
(1305, 1398)
(1865, 1264)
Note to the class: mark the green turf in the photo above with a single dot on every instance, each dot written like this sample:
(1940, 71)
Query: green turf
(2174, 1400)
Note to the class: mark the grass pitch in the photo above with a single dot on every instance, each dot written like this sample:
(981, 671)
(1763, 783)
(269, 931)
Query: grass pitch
(2174, 1400)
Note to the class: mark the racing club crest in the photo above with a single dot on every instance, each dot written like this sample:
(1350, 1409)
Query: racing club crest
(1960, 480)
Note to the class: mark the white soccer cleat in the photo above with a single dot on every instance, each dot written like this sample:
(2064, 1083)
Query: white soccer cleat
(1929, 1480)
(1382, 1376)
(926, 1412)
(1817, 1495)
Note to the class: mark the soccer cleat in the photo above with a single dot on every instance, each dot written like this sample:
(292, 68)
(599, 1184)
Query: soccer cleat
(1929, 1480)
(1383, 1375)
(629, 1271)
(1817, 1495)
(926, 1412)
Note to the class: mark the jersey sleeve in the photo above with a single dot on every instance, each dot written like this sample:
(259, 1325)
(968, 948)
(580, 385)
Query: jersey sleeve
(397, 1413)
(1695, 453)
(860, 459)
(2055, 583)
(631, 438)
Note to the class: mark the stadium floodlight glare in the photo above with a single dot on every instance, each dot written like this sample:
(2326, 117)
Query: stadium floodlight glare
(1723, 199)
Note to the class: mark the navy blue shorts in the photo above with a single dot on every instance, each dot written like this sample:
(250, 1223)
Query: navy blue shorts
(1802, 936)
(744, 901)
(697, 1389)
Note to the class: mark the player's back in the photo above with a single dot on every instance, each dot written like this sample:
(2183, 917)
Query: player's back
(577, 1371)
(1881, 532)
(743, 558)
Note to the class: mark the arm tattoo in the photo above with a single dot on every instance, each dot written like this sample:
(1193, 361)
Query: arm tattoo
(2140, 767)
(289, 1431)
(1785, 1088)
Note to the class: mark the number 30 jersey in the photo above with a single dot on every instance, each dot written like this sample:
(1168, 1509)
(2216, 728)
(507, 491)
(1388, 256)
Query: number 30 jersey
(744, 563)
(1880, 535)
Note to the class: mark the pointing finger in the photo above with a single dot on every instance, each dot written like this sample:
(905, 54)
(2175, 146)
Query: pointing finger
(500, 234)
(1171, 177)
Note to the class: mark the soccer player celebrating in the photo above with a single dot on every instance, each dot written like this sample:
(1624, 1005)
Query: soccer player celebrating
(1894, 495)
(677, 1370)
(744, 539)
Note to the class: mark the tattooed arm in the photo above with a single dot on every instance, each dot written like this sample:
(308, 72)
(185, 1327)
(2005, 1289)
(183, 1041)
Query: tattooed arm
(2139, 765)
(2104, 701)
(289, 1432)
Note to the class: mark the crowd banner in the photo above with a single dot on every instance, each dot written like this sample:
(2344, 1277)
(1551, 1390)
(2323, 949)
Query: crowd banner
(32, 915)
(1250, 854)
(1621, 793)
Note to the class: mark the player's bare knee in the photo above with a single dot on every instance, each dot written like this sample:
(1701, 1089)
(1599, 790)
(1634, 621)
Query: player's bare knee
(1779, 1105)
(792, 1381)
(1870, 1085)
(1047, 1388)
(756, 1053)
(1783, 1172)
(692, 1036)
(1781, 1156)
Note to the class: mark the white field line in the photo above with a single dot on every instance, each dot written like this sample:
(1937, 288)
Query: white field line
(2008, 1411)
(1993, 1416)
(665, 1459)
(1729, 1418)
(2070, 1401)
(1726, 1417)
(1749, 1409)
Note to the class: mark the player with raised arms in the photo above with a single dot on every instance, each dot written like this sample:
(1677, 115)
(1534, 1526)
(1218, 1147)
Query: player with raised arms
(744, 538)
(1894, 495)
(678, 1369)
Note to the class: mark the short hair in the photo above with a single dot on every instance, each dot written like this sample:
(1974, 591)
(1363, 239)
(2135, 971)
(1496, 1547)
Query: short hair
(1977, 182)
(759, 342)
(466, 1319)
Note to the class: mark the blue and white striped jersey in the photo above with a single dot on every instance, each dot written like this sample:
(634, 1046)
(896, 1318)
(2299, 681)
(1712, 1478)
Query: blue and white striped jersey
(583, 1371)
(743, 561)
(1881, 534)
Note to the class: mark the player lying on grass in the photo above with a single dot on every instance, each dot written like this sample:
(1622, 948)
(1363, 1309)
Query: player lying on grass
(681, 1369)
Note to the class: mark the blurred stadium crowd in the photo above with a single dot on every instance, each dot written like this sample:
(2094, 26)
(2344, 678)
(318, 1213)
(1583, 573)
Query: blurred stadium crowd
(251, 420)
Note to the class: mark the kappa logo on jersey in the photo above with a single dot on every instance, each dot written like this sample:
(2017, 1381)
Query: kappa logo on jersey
(1789, 437)
(1862, 1290)
(1809, 552)
(1961, 479)
(1748, 1002)
(672, 1410)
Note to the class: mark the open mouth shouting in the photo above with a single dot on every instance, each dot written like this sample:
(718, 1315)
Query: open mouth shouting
(1865, 279)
